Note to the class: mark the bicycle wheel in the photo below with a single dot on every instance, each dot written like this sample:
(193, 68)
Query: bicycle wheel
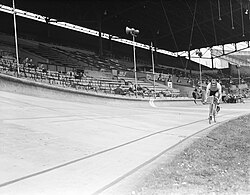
(210, 119)
(210, 116)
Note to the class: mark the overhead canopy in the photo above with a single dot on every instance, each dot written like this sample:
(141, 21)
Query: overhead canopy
(173, 25)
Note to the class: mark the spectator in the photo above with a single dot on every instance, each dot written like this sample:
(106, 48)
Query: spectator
(195, 95)
(31, 64)
(224, 95)
(131, 89)
(200, 93)
(160, 77)
(118, 90)
(139, 88)
(25, 65)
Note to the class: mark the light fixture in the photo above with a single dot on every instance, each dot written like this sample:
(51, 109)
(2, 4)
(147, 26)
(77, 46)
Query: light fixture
(132, 31)
(134, 34)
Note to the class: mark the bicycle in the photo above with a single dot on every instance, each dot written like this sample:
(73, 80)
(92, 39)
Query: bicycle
(212, 109)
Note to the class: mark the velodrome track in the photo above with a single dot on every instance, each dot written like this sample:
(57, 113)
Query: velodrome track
(50, 146)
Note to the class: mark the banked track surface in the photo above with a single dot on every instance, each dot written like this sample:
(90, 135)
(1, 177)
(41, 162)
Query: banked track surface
(57, 147)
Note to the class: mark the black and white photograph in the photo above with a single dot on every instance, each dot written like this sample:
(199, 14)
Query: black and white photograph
(124, 97)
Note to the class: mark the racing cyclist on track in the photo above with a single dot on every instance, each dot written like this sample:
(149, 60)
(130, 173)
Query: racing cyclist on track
(214, 89)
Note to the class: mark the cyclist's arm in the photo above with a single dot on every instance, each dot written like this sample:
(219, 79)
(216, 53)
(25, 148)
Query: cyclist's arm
(219, 92)
(207, 92)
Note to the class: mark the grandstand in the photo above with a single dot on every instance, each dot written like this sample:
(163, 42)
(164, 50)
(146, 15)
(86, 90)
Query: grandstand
(109, 72)
(101, 74)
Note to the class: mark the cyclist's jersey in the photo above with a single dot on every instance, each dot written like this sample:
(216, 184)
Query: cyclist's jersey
(213, 88)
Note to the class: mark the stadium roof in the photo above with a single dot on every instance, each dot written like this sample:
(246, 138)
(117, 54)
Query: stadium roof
(173, 25)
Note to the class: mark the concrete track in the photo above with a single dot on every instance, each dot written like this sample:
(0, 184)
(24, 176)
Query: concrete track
(56, 147)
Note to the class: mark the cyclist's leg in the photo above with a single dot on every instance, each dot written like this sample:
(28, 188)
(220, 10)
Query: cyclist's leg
(214, 114)
(217, 108)
(211, 108)
(215, 105)
(214, 111)
(211, 112)
(212, 96)
(210, 116)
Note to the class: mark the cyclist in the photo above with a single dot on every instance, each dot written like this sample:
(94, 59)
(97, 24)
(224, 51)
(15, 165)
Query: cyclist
(214, 89)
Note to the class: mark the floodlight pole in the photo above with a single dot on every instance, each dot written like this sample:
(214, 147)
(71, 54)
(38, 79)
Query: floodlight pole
(238, 68)
(153, 67)
(133, 35)
(200, 71)
(15, 29)
(199, 53)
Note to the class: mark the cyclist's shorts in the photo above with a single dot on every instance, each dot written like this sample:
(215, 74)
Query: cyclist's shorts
(212, 93)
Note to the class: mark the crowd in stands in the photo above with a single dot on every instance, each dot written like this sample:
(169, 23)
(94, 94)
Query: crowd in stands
(78, 80)
(233, 98)
(140, 91)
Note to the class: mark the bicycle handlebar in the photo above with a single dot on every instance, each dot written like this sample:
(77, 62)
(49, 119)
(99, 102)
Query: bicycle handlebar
(215, 99)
